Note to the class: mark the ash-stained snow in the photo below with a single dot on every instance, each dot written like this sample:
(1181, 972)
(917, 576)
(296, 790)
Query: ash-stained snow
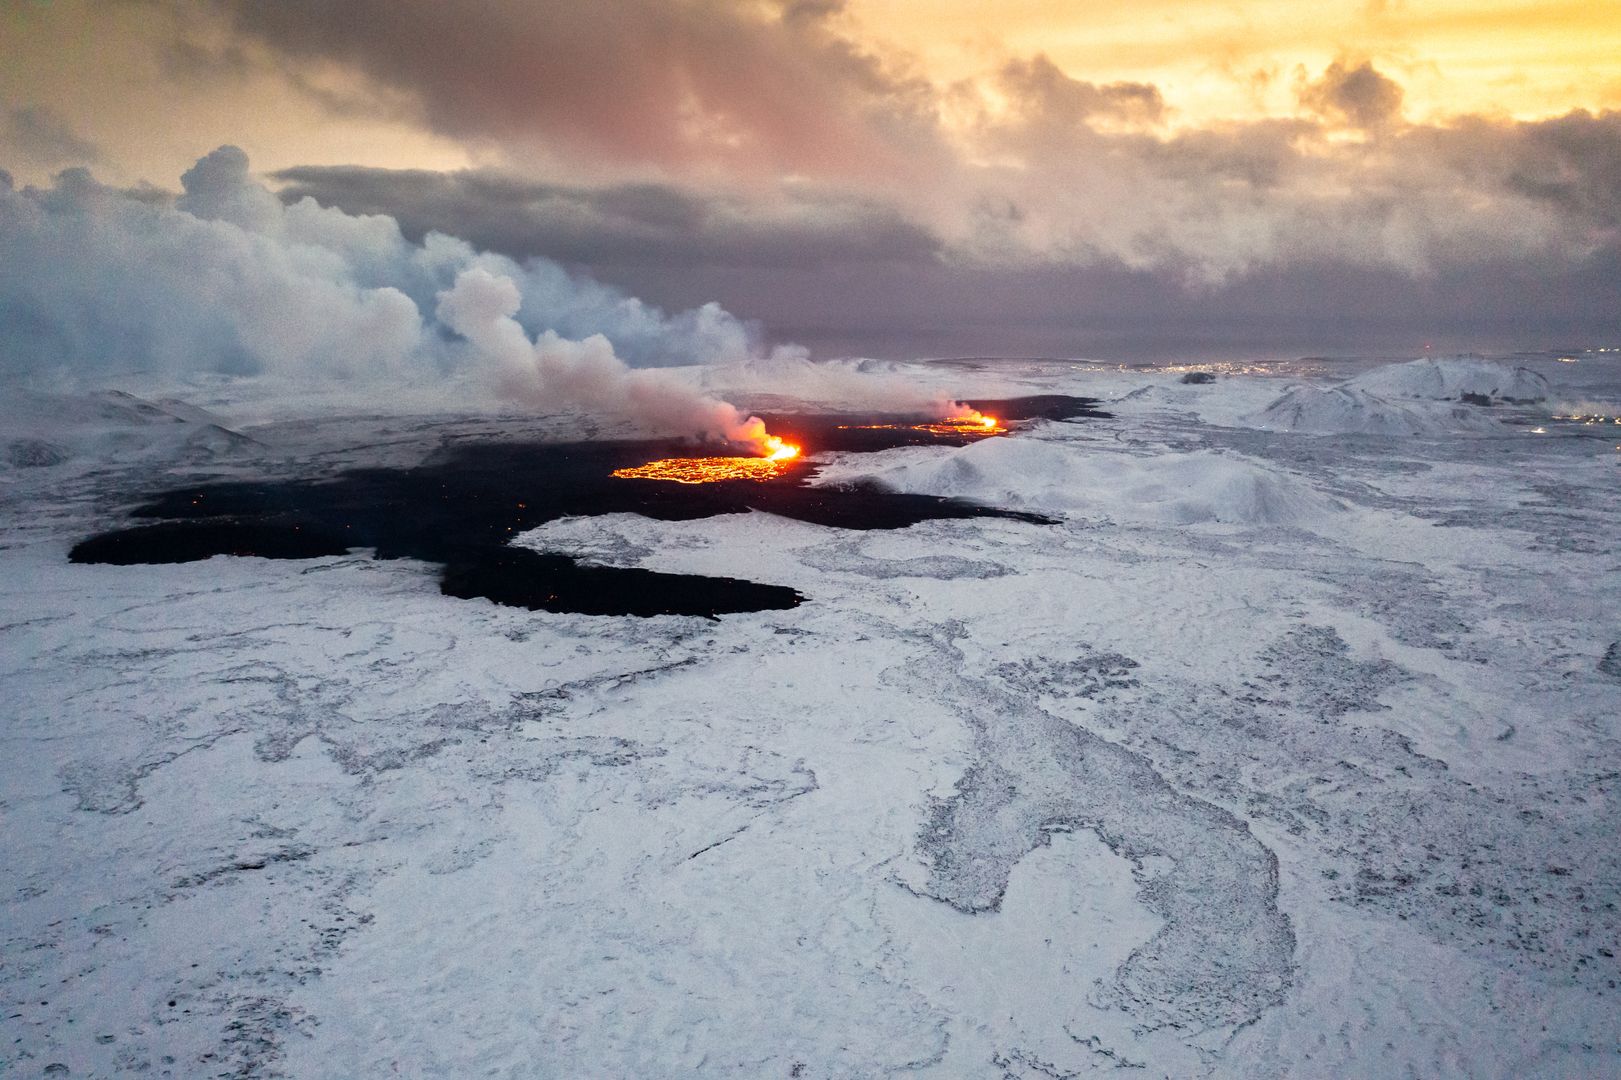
(1274, 755)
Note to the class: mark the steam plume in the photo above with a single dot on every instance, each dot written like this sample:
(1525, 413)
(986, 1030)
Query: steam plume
(553, 371)
(98, 281)
(224, 278)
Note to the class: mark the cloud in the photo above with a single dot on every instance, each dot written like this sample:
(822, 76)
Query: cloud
(1218, 203)
(1358, 97)
(43, 138)
(618, 225)
(1084, 238)
(1040, 92)
(226, 278)
(757, 89)
(764, 135)
(759, 155)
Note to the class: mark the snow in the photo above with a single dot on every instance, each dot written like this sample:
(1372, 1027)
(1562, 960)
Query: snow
(1420, 398)
(1451, 379)
(1347, 410)
(1056, 476)
(1274, 755)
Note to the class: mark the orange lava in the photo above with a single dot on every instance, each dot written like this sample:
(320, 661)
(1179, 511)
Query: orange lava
(973, 423)
(778, 456)
(777, 450)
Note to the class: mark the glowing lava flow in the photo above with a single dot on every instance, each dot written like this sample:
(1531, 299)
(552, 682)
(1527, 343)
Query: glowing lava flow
(775, 459)
(973, 424)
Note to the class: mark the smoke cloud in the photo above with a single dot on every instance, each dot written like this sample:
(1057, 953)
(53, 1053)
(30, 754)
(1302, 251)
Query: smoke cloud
(224, 278)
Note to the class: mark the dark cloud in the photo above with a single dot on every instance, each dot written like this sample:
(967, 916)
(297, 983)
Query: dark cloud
(1358, 97)
(41, 137)
(912, 296)
(1570, 164)
(1042, 93)
(622, 225)
(1108, 311)
(1258, 156)
(1574, 162)
(679, 83)
(758, 110)
(194, 61)
(1219, 203)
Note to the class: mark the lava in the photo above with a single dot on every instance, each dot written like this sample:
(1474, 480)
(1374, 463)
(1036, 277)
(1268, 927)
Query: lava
(971, 423)
(777, 450)
(776, 456)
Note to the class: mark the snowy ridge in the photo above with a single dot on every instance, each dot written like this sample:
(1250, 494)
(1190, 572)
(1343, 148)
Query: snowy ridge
(1033, 474)
(1420, 398)
(1347, 410)
(1452, 379)
(111, 425)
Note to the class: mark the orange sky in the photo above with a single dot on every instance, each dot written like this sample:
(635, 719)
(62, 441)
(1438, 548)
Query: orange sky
(101, 69)
(1236, 59)
(900, 174)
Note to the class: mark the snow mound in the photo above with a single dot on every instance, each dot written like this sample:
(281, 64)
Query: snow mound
(1157, 395)
(1184, 488)
(51, 429)
(1455, 380)
(1345, 410)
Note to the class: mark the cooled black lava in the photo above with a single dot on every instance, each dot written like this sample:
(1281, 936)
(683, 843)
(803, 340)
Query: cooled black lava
(461, 506)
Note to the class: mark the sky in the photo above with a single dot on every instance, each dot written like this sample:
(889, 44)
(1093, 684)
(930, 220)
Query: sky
(1162, 179)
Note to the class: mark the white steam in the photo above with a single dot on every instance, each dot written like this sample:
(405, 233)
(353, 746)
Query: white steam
(99, 282)
(555, 372)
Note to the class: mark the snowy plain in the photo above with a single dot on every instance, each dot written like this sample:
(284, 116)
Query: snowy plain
(1290, 749)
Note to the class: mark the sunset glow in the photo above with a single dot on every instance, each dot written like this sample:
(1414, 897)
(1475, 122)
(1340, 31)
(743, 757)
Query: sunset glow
(890, 179)
(1511, 58)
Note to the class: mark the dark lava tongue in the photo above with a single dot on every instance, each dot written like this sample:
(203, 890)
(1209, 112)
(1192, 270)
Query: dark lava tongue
(461, 507)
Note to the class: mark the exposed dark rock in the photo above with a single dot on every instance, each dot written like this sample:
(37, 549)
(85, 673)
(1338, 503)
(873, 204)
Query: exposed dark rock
(1610, 663)
(461, 507)
(34, 453)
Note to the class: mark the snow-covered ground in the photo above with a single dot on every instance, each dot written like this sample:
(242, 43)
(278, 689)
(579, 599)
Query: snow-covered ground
(1291, 750)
